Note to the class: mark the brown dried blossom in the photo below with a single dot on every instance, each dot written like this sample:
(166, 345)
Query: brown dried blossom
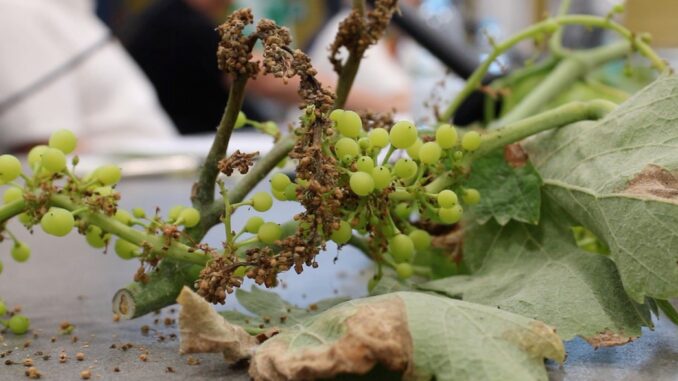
(235, 49)
(239, 161)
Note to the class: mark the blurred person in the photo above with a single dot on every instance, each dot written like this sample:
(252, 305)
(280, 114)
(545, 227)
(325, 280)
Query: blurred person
(175, 43)
(61, 68)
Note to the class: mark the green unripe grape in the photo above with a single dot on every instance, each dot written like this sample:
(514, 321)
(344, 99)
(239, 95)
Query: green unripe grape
(403, 134)
(429, 153)
(446, 136)
(190, 217)
(361, 183)
(336, 114)
(94, 237)
(471, 196)
(421, 239)
(21, 252)
(108, 174)
(53, 160)
(35, 155)
(401, 248)
(253, 224)
(404, 270)
(3, 306)
(382, 177)
(57, 222)
(10, 168)
(125, 249)
(447, 199)
(138, 213)
(378, 137)
(25, 219)
(450, 215)
(269, 232)
(347, 147)
(123, 216)
(405, 168)
(343, 234)
(278, 195)
(365, 164)
(174, 212)
(281, 163)
(240, 121)
(349, 124)
(413, 151)
(364, 143)
(458, 155)
(403, 211)
(12, 194)
(18, 324)
(347, 160)
(470, 141)
(63, 140)
(270, 128)
(104, 191)
(262, 201)
(291, 192)
(618, 8)
(279, 181)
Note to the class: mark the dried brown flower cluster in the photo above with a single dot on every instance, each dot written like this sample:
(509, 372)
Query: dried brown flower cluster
(235, 49)
(239, 161)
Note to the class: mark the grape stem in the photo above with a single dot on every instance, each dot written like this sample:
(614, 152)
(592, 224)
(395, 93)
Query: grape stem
(545, 27)
(350, 69)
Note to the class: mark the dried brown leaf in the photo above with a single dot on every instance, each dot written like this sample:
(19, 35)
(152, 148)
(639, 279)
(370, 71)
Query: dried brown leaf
(608, 338)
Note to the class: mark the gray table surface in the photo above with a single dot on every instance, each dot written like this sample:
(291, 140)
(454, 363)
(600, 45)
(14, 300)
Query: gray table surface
(65, 280)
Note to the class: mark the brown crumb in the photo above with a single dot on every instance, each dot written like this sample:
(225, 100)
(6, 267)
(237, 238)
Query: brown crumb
(46, 357)
(66, 328)
(33, 373)
(116, 317)
(86, 374)
(143, 357)
(79, 356)
(193, 361)
(27, 343)
(113, 346)
(53, 339)
(63, 357)
(169, 321)
(74, 339)
(169, 369)
(116, 369)
(144, 329)
(28, 362)
(9, 362)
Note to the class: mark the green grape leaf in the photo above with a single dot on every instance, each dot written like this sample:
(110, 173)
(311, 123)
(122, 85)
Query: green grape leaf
(269, 310)
(420, 335)
(506, 193)
(539, 272)
(619, 178)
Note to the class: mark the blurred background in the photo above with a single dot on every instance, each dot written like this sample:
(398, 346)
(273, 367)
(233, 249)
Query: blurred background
(138, 78)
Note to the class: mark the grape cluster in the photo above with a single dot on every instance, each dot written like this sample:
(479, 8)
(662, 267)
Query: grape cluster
(399, 179)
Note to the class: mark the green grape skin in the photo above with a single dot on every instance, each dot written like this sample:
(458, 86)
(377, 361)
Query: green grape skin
(291, 192)
(190, 217)
(12, 194)
(123, 216)
(25, 219)
(364, 143)
(447, 199)
(401, 248)
(270, 128)
(403, 134)
(450, 215)
(278, 195)
(125, 249)
(20, 252)
(421, 239)
(104, 191)
(262, 201)
(471, 196)
(3, 306)
(404, 270)
(471, 141)
(361, 183)
(240, 121)
(174, 212)
(413, 151)
(279, 181)
(458, 155)
(57, 222)
(63, 140)
(347, 147)
(365, 164)
(138, 213)
(94, 237)
(429, 153)
(349, 124)
(253, 224)
(19, 324)
(378, 137)
(446, 136)
(343, 234)
(10, 168)
(35, 155)
(381, 177)
(403, 211)
(405, 168)
(53, 160)
(108, 174)
(336, 114)
(269, 232)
